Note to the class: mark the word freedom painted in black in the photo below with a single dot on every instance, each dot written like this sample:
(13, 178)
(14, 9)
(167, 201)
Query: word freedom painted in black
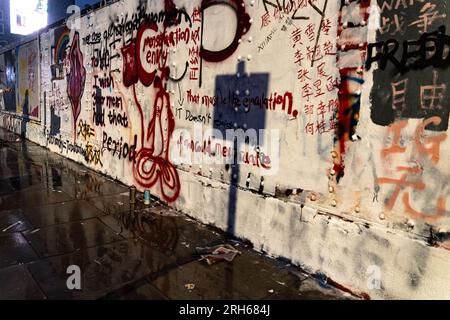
(428, 50)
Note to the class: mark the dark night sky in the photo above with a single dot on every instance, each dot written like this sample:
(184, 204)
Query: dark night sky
(82, 3)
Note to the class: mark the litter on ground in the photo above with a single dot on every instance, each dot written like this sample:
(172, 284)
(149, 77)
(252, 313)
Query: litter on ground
(218, 253)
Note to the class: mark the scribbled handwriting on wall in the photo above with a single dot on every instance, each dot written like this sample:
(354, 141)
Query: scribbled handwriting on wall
(145, 61)
(415, 54)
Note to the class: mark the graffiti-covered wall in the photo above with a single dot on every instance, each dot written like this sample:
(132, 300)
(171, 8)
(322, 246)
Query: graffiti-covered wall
(27, 80)
(8, 81)
(317, 129)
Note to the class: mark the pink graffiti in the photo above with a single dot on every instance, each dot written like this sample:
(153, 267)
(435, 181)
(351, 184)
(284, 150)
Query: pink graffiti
(76, 79)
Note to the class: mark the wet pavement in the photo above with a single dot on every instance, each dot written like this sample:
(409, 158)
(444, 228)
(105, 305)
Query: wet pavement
(55, 213)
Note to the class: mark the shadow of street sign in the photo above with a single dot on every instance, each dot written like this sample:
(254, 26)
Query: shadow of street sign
(242, 105)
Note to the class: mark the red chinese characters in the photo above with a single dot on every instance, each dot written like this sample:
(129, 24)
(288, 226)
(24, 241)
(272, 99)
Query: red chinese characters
(410, 179)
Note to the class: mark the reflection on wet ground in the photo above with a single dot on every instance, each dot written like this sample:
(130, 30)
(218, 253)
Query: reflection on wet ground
(55, 213)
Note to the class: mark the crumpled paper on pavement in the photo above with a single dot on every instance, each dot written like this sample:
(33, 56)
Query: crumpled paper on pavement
(218, 253)
(189, 286)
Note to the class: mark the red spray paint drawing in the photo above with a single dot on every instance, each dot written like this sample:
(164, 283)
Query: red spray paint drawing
(427, 147)
(243, 26)
(349, 93)
(76, 79)
(145, 61)
(152, 163)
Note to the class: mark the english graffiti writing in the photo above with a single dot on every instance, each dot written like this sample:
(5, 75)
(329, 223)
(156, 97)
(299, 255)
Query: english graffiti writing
(119, 148)
(118, 119)
(127, 24)
(431, 49)
(235, 99)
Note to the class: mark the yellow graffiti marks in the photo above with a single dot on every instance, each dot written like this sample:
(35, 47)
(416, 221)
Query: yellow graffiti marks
(92, 154)
(85, 130)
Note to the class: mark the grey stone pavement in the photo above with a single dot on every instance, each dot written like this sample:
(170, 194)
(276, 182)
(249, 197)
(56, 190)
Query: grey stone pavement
(55, 213)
